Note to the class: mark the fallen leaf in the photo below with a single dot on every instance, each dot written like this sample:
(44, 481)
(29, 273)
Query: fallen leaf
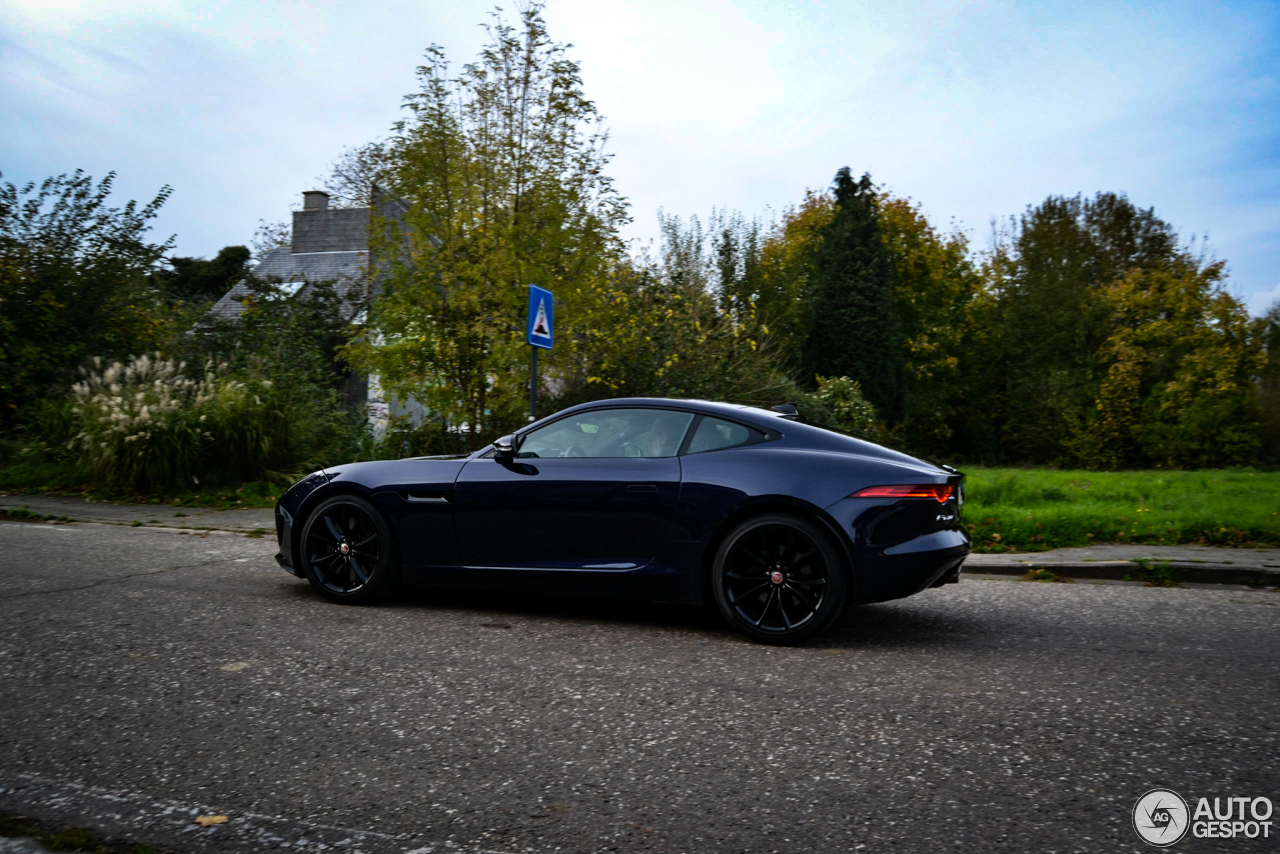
(206, 820)
(235, 666)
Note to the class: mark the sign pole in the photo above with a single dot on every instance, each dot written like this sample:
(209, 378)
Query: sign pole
(533, 383)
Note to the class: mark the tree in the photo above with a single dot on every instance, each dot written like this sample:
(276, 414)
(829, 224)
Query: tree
(357, 174)
(786, 273)
(652, 335)
(935, 285)
(852, 327)
(1178, 389)
(268, 237)
(1058, 259)
(197, 282)
(1269, 387)
(502, 171)
(75, 282)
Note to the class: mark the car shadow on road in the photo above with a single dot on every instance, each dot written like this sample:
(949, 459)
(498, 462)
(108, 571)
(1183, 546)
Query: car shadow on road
(904, 624)
(495, 607)
(909, 624)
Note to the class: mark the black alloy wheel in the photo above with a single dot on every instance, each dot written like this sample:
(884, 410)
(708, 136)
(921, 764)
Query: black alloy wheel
(779, 579)
(348, 553)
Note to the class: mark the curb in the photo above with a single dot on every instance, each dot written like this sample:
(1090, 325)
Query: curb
(1134, 570)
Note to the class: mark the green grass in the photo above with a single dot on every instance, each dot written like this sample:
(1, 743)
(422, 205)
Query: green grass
(35, 476)
(1039, 509)
(70, 839)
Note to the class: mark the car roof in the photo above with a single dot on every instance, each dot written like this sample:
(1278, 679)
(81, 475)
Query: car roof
(751, 414)
(796, 433)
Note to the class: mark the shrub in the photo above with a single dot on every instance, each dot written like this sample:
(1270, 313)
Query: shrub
(145, 425)
(838, 404)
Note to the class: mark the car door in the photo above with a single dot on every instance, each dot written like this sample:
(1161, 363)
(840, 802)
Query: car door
(594, 490)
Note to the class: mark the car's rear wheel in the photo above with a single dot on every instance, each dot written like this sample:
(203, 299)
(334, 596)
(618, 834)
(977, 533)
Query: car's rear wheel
(348, 553)
(779, 579)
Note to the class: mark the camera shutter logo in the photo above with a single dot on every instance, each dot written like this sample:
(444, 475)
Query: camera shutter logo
(1161, 817)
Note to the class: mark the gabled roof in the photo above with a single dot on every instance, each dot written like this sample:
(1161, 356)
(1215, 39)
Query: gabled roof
(346, 269)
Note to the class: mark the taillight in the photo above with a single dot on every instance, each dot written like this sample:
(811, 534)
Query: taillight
(940, 492)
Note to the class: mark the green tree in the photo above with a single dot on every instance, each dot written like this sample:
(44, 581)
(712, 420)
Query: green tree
(651, 335)
(786, 273)
(287, 345)
(1180, 367)
(1269, 388)
(935, 284)
(1048, 280)
(502, 172)
(197, 282)
(852, 327)
(75, 282)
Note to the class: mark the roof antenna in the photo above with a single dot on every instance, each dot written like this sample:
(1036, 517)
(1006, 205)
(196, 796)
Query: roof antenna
(787, 411)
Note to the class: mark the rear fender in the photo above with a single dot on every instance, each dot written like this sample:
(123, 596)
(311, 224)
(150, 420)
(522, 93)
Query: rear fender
(759, 505)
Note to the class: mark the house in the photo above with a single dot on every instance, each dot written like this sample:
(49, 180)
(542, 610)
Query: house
(330, 245)
(327, 245)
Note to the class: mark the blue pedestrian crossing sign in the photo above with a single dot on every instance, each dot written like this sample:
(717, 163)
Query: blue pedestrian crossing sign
(542, 306)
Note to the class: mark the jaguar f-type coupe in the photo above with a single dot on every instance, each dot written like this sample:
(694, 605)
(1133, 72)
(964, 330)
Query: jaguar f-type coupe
(779, 523)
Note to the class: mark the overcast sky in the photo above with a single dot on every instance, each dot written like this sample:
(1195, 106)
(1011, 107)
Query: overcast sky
(974, 109)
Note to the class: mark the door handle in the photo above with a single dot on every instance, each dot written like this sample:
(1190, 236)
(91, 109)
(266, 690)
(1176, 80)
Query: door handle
(642, 487)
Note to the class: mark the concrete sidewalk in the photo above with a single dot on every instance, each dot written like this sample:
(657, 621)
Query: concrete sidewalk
(147, 515)
(1192, 564)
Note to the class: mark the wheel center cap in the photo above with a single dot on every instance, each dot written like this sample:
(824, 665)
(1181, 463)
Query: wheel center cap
(345, 549)
(775, 577)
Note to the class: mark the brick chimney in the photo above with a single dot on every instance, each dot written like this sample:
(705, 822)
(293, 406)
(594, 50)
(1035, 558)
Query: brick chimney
(315, 200)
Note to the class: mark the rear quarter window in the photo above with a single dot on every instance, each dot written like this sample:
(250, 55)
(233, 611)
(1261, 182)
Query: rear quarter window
(716, 434)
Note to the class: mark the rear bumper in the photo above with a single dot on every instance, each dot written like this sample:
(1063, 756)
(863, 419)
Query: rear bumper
(909, 567)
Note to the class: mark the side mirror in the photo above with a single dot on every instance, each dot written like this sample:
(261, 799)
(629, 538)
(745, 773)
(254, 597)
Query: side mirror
(504, 450)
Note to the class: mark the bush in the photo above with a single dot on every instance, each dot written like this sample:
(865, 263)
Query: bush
(838, 405)
(145, 426)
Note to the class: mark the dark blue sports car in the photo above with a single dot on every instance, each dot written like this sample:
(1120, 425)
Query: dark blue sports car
(779, 523)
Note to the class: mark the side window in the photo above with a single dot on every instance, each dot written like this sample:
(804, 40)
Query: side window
(714, 434)
(652, 433)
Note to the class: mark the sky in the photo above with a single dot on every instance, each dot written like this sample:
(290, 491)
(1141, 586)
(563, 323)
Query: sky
(974, 109)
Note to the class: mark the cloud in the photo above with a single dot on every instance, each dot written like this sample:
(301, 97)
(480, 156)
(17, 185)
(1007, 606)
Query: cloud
(1262, 301)
(973, 108)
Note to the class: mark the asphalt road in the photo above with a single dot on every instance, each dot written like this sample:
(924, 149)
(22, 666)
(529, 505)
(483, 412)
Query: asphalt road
(148, 677)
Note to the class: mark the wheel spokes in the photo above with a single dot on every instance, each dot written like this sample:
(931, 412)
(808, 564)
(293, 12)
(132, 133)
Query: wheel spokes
(736, 599)
(355, 567)
(343, 548)
(793, 599)
(782, 609)
(803, 597)
(772, 594)
(797, 562)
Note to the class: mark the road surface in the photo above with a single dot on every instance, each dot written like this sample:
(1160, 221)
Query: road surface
(150, 677)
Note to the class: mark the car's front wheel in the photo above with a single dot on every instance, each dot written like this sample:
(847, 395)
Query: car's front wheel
(348, 553)
(779, 579)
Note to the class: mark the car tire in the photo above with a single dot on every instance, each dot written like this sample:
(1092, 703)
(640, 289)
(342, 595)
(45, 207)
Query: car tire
(779, 579)
(347, 551)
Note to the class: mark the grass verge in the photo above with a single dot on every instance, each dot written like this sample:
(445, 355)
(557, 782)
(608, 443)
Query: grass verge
(41, 477)
(1009, 510)
(70, 839)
